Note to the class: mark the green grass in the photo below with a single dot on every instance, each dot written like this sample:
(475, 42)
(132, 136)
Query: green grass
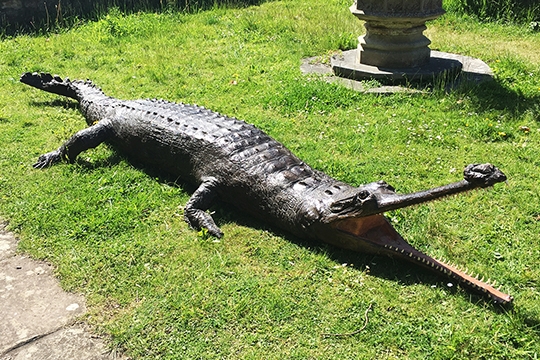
(114, 231)
(507, 11)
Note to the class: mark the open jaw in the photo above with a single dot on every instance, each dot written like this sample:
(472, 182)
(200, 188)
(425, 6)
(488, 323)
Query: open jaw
(357, 223)
(374, 234)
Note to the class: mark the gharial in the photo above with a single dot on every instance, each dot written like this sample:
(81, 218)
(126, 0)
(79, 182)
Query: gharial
(236, 162)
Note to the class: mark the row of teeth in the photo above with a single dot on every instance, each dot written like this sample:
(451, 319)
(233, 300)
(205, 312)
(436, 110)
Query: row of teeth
(420, 259)
(449, 272)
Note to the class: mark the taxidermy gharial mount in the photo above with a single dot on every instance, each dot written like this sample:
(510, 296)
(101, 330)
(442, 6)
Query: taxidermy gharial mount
(236, 162)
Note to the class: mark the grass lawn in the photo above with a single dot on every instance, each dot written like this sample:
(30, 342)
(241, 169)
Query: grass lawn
(114, 231)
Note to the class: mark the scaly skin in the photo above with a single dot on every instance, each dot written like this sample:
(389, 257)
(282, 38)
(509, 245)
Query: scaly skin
(229, 159)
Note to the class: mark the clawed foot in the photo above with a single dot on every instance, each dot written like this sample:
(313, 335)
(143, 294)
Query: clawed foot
(48, 159)
(216, 232)
(212, 230)
(483, 174)
(199, 219)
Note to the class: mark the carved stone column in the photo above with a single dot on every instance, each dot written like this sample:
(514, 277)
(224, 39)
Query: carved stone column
(394, 49)
(394, 46)
(394, 31)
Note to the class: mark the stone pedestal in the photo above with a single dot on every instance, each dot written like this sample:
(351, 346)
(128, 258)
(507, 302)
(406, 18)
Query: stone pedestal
(394, 46)
(394, 31)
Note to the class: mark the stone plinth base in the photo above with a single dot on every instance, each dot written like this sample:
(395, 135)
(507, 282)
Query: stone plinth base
(473, 70)
(346, 65)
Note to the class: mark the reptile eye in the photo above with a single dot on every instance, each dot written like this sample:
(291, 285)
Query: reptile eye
(363, 194)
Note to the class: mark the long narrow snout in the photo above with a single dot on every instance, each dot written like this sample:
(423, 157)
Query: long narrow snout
(379, 197)
(474, 176)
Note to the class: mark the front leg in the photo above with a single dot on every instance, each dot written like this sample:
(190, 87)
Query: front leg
(195, 210)
(83, 140)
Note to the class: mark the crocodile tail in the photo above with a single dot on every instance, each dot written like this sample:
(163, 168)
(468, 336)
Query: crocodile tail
(50, 83)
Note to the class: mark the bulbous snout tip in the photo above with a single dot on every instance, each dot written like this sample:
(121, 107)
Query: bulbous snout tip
(483, 174)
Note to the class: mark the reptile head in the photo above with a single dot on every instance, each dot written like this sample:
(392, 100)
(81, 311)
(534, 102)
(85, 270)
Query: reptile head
(355, 222)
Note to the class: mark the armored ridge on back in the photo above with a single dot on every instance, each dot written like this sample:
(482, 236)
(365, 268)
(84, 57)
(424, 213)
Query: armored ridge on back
(229, 159)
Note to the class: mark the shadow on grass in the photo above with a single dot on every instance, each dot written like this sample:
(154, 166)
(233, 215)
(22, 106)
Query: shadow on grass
(531, 321)
(493, 95)
(60, 102)
(39, 16)
(89, 166)
(489, 95)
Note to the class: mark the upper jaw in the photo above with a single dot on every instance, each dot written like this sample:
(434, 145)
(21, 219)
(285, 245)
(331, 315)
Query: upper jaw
(379, 197)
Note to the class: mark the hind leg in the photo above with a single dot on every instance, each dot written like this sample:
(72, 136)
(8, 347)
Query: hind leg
(195, 210)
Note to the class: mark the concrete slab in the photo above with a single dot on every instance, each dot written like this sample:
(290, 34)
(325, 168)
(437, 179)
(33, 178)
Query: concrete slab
(33, 303)
(36, 316)
(74, 342)
(8, 242)
(472, 70)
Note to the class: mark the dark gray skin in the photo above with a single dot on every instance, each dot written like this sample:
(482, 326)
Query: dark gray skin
(234, 161)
